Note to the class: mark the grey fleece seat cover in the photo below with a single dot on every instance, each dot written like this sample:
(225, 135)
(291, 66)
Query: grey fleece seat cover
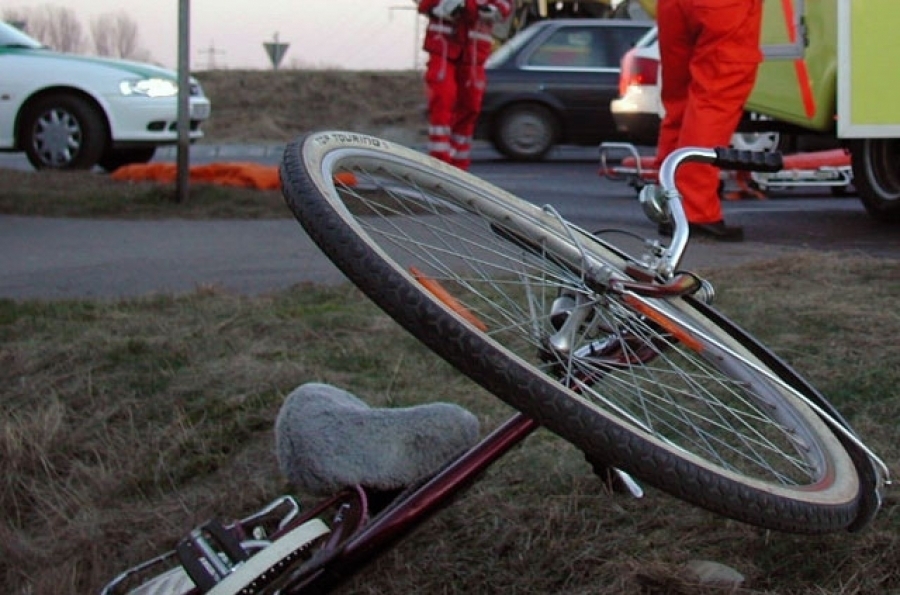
(327, 439)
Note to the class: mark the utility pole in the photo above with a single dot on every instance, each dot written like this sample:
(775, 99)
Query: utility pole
(184, 91)
(211, 53)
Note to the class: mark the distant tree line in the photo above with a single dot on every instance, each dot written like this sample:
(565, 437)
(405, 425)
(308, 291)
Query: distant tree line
(112, 34)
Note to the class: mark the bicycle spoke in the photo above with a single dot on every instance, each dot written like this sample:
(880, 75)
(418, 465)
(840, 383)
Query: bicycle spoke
(510, 288)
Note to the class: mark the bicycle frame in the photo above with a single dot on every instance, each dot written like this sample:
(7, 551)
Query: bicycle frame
(329, 567)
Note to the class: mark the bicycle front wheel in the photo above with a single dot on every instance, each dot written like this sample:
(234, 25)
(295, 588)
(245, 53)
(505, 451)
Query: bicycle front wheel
(665, 389)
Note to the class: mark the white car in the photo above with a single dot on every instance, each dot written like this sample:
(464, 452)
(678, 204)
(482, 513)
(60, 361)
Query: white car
(68, 111)
(638, 109)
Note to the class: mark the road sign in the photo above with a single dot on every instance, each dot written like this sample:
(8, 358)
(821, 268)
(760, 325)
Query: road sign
(276, 51)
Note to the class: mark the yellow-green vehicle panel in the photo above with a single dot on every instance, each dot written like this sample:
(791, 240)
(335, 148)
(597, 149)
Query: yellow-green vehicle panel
(868, 78)
(781, 84)
(842, 82)
(844, 76)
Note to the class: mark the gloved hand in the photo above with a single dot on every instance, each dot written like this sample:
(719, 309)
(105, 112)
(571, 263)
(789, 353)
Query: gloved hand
(447, 8)
(489, 13)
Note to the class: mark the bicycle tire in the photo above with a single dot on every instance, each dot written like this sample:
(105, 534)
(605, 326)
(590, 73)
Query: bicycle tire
(681, 398)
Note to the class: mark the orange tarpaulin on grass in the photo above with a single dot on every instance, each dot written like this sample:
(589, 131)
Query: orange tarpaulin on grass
(247, 175)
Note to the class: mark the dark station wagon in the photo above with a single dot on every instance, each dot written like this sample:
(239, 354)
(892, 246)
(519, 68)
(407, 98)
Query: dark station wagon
(552, 84)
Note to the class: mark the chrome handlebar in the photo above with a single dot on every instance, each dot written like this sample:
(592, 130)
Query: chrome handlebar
(662, 203)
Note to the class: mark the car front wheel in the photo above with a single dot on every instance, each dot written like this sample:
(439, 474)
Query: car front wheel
(63, 132)
(525, 132)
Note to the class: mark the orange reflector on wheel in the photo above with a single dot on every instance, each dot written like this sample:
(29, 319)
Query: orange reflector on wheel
(438, 291)
(669, 325)
(345, 178)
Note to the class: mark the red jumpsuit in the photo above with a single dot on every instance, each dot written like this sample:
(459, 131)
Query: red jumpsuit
(457, 49)
(710, 53)
(478, 42)
(444, 46)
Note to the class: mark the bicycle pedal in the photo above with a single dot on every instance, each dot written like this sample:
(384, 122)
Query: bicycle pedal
(209, 554)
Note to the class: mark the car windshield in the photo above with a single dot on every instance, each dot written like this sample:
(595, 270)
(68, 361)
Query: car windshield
(10, 37)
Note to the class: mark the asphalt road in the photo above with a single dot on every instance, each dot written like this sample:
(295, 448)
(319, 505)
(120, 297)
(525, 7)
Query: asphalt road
(47, 258)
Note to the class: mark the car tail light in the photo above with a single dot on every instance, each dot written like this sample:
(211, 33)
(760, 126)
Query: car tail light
(637, 70)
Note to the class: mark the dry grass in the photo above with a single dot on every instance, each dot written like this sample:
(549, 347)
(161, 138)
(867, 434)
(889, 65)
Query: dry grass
(85, 194)
(126, 423)
(276, 106)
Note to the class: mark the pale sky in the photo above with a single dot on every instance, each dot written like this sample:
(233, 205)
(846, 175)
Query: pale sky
(351, 34)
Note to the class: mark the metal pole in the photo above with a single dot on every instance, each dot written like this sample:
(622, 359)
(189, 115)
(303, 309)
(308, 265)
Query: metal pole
(184, 91)
(275, 62)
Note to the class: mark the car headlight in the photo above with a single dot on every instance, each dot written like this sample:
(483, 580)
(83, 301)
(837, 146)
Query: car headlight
(153, 87)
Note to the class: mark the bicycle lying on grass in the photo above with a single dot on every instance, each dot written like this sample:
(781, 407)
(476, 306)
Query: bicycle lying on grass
(620, 355)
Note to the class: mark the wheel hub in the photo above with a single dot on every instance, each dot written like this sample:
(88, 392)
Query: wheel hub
(57, 137)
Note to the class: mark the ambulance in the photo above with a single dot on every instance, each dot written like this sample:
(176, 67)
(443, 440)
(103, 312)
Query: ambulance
(829, 69)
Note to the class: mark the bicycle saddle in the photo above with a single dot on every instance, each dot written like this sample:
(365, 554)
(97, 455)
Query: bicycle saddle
(327, 438)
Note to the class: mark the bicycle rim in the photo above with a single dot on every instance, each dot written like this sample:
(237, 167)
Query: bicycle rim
(515, 299)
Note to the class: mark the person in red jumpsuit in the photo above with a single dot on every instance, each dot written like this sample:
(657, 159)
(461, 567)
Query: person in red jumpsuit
(443, 43)
(458, 41)
(479, 19)
(709, 51)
